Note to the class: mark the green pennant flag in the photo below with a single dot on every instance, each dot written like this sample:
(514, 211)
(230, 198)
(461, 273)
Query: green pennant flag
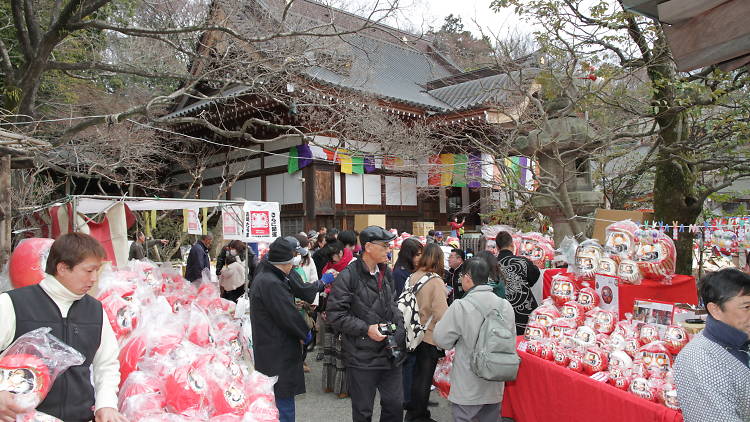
(460, 162)
(293, 163)
(358, 165)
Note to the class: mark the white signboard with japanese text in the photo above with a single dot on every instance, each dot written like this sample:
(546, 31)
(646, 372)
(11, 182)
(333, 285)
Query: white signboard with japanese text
(262, 221)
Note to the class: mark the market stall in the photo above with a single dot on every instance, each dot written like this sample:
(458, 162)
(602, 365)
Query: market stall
(107, 218)
(544, 391)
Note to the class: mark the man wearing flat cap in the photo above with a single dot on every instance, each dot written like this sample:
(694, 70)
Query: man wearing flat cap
(362, 306)
(279, 330)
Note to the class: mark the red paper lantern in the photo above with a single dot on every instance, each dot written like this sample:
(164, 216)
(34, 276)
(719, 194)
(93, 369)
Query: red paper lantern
(27, 263)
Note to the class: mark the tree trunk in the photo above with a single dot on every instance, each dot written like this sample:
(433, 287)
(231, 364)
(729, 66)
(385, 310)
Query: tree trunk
(675, 195)
(5, 210)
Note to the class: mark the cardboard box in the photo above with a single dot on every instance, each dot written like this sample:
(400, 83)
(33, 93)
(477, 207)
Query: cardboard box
(420, 228)
(364, 220)
(606, 217)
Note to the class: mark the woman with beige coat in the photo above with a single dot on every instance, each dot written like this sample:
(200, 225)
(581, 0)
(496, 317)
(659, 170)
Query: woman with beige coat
(432, 300)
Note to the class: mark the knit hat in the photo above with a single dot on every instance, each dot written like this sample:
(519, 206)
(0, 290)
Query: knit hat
(280, 252)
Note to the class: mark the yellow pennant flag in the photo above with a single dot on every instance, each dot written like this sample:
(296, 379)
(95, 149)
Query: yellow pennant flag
(346, 163)
(153, 220)
(446, 170)
(184, 220)
(204, 211)
(147, 224)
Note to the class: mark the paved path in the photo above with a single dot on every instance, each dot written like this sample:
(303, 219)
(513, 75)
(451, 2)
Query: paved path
(316, 406)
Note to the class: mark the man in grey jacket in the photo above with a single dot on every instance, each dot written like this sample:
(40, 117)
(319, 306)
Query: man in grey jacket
(711, 372)
(473, 398)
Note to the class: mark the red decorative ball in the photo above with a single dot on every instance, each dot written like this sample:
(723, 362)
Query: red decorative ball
(28, 261)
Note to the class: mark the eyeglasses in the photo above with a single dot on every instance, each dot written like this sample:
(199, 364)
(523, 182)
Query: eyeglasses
(383, 244)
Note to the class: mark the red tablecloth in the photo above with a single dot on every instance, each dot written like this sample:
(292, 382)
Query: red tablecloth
(545, 392)
(682, 290)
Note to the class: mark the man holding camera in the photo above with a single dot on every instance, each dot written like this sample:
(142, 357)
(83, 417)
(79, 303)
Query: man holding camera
(362, 306)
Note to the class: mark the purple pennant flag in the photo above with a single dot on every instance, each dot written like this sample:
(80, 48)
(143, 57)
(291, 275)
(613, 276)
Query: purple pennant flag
(474, 171)
(369, 164)
(305, 155)
(523, 164)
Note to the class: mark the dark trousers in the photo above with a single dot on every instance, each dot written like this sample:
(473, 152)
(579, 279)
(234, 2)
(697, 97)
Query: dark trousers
(408, 370)
(426, 356)
(362, 386)
(286, 409)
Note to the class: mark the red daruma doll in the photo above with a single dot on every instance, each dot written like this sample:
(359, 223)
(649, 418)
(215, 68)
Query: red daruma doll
(656, 255)
(563, 289)
(32, 363)
(537, 248)
(588, 255)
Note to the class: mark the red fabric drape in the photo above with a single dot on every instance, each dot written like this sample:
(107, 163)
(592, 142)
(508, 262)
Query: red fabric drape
(545, 392)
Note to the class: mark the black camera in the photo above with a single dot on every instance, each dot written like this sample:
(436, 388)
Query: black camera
(389, 330)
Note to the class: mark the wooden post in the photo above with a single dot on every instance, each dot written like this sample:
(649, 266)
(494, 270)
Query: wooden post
(5, 209)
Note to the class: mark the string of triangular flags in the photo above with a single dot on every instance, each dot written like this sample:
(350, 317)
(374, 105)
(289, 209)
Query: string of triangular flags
(717, 227)
(457, 170)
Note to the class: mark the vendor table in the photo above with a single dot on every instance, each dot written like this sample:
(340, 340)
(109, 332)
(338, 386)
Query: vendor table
(682, 290)
(545, 392)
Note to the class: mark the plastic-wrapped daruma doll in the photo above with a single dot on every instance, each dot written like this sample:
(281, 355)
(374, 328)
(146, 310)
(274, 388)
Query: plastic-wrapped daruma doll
(573, 311)
(595, 360)
(537, 248)
(628, 272)
(656, 255)
(563, 289)
(545, 314)
(675, 338)
(535, 331)
(588, 297)
(620, 240)
(588, 254)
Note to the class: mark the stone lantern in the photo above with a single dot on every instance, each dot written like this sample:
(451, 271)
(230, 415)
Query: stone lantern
(562, 151)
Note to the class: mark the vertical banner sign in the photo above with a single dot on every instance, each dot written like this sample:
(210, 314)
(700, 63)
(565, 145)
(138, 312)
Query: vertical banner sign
(262, 221)
(232, 223)
(194, 225)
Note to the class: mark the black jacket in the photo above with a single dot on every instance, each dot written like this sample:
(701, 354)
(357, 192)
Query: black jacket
(453, 279)
(278, 328)
(520, 275)
(197, 261)
(359, 299)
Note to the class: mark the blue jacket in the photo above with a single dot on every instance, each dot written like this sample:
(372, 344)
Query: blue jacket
(197, 261)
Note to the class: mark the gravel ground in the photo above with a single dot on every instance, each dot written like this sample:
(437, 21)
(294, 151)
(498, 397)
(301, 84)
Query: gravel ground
(316, 406)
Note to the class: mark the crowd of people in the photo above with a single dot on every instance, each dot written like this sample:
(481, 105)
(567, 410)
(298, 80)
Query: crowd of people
(357, 318)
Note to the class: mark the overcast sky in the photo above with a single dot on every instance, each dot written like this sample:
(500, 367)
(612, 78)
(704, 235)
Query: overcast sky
(419, 15)
(425, 13)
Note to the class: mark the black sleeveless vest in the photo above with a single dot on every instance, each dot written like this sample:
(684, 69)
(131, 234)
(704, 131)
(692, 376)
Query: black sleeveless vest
(71, 398)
